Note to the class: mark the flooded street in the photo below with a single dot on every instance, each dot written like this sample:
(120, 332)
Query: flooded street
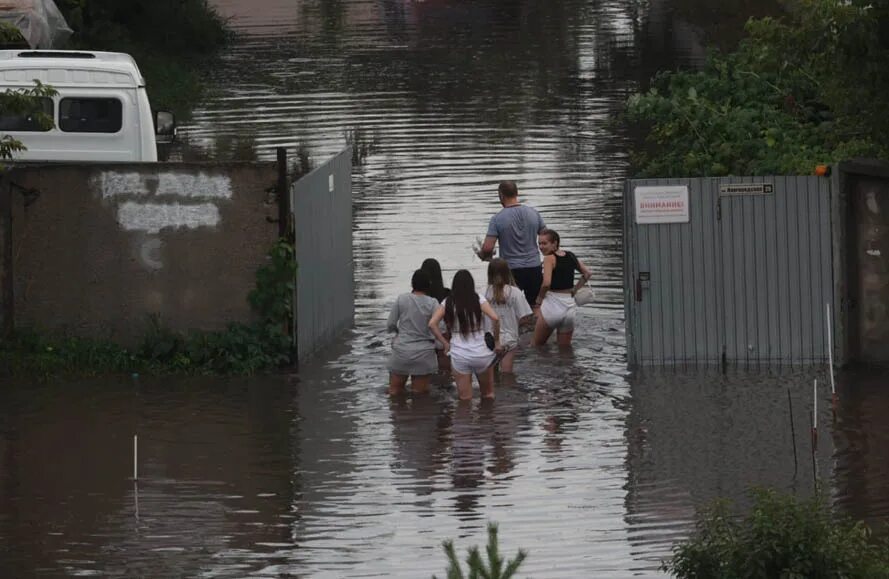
(596, 472)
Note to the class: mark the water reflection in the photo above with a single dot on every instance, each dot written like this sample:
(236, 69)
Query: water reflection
(862, 437)
(211, 457)
(697, 435)
(419, 425)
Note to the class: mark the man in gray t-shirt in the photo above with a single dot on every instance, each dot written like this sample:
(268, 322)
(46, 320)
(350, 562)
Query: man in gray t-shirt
(516, 227)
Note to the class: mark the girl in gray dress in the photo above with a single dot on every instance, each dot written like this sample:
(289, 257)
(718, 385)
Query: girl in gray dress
(413, 349)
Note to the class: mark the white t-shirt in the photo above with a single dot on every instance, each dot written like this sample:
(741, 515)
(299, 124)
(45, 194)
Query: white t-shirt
(515, 308)
(473, 345)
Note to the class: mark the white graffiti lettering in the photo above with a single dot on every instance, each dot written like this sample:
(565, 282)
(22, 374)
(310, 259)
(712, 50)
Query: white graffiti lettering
(154, 217)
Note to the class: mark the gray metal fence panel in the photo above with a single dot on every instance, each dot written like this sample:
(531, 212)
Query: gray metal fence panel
(745, 280)
(322, 215)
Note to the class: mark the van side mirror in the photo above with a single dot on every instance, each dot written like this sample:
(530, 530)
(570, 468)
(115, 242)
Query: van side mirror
(164, 126)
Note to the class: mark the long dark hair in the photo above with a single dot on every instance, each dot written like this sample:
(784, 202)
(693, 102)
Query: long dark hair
(463, 305)
(433, 270)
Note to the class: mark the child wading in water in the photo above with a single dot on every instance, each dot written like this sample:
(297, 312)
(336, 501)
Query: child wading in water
(463, 312)
(511, 306)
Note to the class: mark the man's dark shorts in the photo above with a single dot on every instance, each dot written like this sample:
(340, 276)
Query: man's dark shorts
(529, 280)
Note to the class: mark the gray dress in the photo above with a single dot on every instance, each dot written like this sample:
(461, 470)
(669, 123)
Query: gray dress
(413, 349)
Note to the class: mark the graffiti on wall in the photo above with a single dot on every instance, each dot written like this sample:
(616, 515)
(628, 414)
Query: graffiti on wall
(151, 203)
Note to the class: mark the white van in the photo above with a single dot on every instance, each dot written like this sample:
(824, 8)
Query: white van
(101, 111)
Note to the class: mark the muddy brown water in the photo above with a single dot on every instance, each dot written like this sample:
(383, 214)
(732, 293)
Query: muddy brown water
(596, 472)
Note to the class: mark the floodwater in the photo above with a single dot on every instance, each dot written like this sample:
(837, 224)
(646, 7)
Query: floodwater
(596, 472)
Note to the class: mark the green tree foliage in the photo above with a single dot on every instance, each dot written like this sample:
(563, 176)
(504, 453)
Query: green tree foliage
(781, 538)
(21, 102)
(806, 89)
(171, 41)
(496, 566)
(169, 27)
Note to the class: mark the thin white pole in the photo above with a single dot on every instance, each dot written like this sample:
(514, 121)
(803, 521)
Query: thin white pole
(815, 411)
(135, 457)
(833, 388)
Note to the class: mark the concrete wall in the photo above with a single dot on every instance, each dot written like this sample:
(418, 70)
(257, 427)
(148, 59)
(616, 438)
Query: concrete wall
(864, 279)
(97, 249)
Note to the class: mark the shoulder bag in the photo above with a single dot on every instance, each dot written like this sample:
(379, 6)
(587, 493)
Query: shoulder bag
(585, 295)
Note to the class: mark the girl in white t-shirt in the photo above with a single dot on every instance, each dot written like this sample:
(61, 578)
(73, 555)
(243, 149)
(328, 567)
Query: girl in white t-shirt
(511, 306)
(462, 312)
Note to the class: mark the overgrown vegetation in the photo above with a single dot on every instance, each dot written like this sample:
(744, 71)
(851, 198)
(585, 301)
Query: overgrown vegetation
(239, 349)
(781, 537)
(171, 41)
(807, 89)
(496, 567)
(23, 102)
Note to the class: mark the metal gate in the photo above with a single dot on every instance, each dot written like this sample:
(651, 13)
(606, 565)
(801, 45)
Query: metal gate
(322, 217)
(726, 270)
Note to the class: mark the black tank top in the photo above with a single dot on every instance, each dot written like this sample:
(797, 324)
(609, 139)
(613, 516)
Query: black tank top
(563, 272)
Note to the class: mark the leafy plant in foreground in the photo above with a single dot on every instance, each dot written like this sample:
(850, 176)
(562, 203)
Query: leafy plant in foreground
(781, 537)
(496, 568)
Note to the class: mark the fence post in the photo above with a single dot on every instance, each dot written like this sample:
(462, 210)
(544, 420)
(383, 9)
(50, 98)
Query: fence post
(283, 193)
(6, 291)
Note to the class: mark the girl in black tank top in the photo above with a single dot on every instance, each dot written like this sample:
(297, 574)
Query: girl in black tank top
(558, 279)
(563, 273)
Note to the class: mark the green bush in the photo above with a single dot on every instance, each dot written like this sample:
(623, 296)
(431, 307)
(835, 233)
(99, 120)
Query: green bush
(40, 355)
(780, 538)
(805, 90)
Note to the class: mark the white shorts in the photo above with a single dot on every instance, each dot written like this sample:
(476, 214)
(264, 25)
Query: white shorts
(471, 364)
(558, 311)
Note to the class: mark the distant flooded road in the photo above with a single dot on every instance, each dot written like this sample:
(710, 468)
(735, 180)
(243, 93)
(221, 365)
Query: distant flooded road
(594, 471)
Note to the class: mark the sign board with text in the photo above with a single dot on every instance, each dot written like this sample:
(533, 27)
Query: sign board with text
(746, 189)
(661, 204)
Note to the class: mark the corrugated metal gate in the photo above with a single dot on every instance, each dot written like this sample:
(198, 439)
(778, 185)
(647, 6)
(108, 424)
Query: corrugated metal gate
(322, 218)
(745, 279)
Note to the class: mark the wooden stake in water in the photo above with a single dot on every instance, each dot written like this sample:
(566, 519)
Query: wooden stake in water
(792, 432)
(833, 387)
(815, 416)
(135, 457)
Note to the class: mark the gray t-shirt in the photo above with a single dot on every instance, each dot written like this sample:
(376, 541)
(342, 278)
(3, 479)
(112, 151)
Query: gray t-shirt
(516, 228)
(410, 318)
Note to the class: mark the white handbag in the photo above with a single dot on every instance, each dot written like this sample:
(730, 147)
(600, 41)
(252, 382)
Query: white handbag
(585, 295)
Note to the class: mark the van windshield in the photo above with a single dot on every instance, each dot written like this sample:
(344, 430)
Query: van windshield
(38, 119)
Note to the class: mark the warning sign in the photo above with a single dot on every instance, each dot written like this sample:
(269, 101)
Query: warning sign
(746, 189)
(661, 204)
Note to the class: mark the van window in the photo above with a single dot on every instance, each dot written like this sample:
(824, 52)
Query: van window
(90, 115)
(10, 121)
